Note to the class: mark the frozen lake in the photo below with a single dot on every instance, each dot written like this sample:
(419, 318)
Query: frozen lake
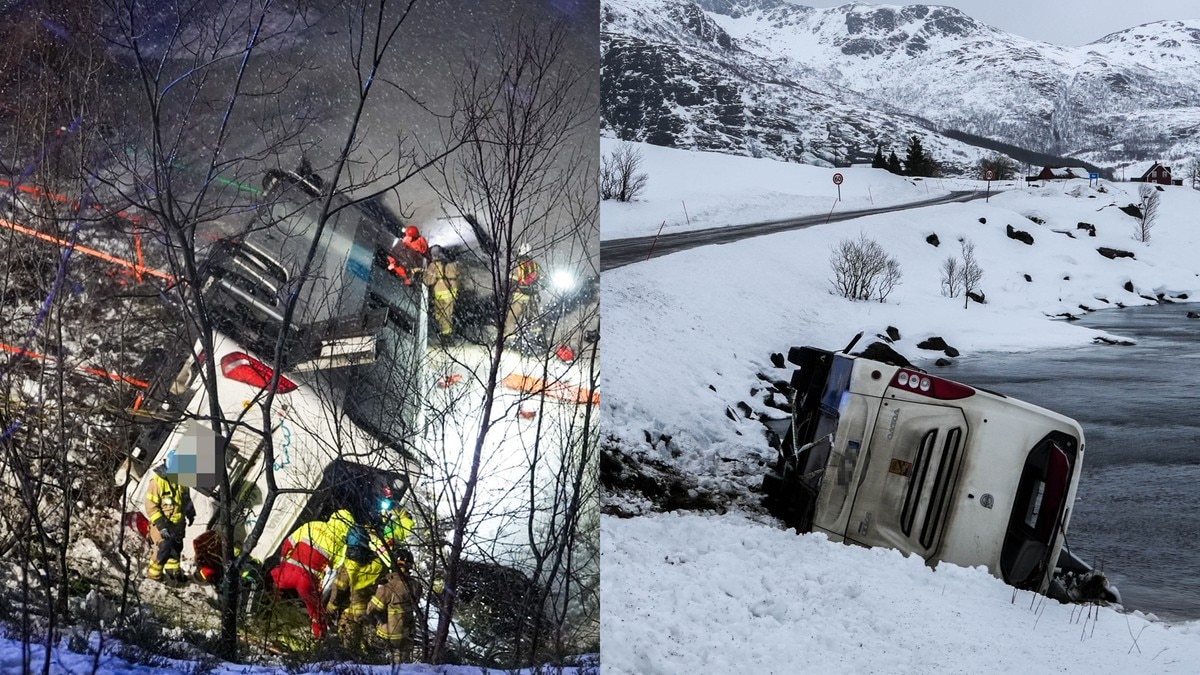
(1138, 512)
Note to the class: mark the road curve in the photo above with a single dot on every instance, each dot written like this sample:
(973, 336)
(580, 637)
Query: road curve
(619, 252)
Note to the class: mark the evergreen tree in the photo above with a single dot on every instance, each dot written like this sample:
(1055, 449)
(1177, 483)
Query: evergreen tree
(893, 163)
(915, 161)
(878, 162)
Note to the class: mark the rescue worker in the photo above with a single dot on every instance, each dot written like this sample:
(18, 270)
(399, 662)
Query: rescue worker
(168, 504)
(415, 241)
(410, 255)
(441, 276)
(524, 278)
(353, 587)
(308, 554)
(394, 605)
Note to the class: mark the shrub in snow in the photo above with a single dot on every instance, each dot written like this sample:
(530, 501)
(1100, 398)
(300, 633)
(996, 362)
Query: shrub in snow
(862, 270)
(951, 282)
(971, 273)
(621, 177)
(1149, 213)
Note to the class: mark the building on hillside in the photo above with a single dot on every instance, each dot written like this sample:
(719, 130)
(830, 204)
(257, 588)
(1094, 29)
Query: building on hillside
(1155, 173)
(1061, 173)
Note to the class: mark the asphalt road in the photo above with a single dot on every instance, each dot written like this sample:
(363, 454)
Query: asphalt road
(619, 252)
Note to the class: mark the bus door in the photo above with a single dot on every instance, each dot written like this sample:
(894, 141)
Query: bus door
(907, 477)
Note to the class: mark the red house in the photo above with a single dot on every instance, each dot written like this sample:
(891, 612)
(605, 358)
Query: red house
(1159, 174)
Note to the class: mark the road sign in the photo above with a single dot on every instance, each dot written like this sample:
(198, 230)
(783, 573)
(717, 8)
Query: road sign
(1093, 176)
(837, 179)
(989, 174)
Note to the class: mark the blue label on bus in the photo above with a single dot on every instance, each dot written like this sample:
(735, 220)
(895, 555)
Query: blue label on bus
(359, 268)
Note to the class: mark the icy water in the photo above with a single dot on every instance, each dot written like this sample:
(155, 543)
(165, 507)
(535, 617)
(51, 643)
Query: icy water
(1138, 512)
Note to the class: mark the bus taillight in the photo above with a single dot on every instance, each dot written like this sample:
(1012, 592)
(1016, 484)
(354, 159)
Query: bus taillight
(244, 368)
(928, 385)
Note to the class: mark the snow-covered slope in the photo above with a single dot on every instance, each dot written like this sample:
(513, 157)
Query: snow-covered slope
(694, 594)
(683, 343)
(1132, 95)
(687, 336)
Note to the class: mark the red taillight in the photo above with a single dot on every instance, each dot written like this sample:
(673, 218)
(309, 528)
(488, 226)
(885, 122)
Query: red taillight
(928, 385)
(249, 370)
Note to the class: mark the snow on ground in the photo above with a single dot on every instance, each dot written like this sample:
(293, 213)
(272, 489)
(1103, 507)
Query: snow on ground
(685, 334)
(694, 190)
(62, 660)
(704, 594)
(685, 337)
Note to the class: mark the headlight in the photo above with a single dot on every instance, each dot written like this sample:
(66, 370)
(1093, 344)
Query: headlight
(563, 281)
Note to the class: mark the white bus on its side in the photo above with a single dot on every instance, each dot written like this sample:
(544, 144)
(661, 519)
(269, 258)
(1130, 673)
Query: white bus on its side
(882, 455)
(347, 411)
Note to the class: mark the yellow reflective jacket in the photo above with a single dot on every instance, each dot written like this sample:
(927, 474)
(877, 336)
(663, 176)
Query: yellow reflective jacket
(166, 499)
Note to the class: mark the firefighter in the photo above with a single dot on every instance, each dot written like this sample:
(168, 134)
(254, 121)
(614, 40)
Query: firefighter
(416, 242)
(353, 587)
(168, 505)
(441, 276)
(308, 554)
(410, 255)
(393, 605)
(524, 278)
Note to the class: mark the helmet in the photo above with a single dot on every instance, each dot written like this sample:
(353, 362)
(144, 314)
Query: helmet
(524, 249)
(403, 560)
(412, 232)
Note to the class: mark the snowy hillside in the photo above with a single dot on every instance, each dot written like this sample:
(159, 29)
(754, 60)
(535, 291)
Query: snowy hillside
(674, 328)
(696, 594)
(671, 76)
(1131, 95)
(685, 346)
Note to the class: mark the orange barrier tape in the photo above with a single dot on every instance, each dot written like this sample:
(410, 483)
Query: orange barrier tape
(67, 200)
(91, 371)
(137, 269)
(559, 390)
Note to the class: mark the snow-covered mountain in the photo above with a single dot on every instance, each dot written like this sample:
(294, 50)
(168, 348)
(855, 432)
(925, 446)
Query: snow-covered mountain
(736, 74)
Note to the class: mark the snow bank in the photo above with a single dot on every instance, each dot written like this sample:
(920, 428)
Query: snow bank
(696, 594)
(687, 334)
(63, 660)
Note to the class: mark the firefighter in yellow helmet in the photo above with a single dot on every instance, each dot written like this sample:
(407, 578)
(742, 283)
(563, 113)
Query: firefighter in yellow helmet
(168, 505)
(524, 290)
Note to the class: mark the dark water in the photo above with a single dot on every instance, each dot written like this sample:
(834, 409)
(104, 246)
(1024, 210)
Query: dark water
(1138, 512)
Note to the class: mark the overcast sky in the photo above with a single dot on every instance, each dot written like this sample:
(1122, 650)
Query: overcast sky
(1065, 22)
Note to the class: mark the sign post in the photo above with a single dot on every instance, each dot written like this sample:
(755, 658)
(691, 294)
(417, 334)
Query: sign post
(988, 175)
(1093, 177)
(837, 180)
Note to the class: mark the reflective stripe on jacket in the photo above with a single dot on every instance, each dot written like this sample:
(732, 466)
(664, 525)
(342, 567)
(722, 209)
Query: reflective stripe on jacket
(318, 544)
(166, 499)
(526, 275)
(396, 597)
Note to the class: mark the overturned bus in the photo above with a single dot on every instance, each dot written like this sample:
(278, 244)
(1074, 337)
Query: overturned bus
(883, 455)
(347, 408)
